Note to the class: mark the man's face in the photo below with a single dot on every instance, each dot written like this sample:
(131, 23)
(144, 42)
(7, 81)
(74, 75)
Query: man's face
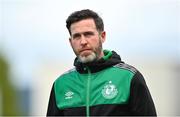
(86, 41)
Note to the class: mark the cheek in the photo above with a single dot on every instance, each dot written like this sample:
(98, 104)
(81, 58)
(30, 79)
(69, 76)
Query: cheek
(96, 42)
(74, 46)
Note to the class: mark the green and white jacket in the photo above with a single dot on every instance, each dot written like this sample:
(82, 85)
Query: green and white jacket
(104, 87)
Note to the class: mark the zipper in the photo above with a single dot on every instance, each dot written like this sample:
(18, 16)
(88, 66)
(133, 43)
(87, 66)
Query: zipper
(87, 93)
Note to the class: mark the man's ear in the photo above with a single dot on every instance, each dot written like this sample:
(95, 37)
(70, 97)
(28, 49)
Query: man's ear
(103, 36)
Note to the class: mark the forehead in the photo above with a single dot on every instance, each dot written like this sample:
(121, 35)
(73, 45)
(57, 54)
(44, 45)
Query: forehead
(83, 25)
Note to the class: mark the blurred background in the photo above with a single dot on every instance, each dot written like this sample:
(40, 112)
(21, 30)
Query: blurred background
(34, 48)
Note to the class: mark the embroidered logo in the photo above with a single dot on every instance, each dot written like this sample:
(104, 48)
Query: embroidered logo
(109, 91)
(69, 95)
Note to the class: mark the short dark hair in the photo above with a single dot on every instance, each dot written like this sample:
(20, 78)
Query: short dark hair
(85, 14)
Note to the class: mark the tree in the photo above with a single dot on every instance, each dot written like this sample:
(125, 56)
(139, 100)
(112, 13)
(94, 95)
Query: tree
(8, 92)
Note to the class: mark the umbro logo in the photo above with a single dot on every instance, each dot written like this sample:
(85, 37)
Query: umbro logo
(69, 95)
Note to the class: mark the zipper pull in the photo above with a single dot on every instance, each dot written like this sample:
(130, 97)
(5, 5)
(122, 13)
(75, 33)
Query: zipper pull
(85, 69)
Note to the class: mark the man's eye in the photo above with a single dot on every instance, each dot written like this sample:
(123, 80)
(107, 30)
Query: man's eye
(76, 36)
(88, 34)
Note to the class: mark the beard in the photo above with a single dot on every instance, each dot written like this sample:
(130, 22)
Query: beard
(93, 56)
(86, 59)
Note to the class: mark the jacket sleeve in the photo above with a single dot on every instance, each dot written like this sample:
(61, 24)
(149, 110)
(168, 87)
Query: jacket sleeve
(141, 102)
(53, 110)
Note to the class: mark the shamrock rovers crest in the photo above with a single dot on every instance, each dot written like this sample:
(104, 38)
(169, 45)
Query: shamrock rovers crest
(109, 91)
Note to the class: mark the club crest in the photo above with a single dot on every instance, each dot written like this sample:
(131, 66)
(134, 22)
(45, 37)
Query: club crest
(109, 91)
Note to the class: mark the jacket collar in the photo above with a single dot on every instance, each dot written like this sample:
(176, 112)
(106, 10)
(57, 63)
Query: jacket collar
(110, 58)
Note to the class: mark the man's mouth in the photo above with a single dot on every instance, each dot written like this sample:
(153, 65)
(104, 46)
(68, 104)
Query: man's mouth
(85, 52)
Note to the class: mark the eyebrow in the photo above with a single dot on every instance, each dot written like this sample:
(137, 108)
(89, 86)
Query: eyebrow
(84, 33)
(88, 33)
(76, 35)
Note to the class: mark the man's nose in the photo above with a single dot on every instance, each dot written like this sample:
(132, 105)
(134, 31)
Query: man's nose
(83, 40)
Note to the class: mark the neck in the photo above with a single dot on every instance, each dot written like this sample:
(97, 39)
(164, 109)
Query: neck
(101, 55)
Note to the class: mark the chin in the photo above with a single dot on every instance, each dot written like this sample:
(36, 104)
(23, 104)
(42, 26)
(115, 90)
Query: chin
(89, 58)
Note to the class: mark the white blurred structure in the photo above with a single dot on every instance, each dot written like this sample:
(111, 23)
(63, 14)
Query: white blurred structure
(45, 75)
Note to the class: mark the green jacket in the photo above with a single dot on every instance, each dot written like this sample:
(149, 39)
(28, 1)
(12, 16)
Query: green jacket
(104, 87)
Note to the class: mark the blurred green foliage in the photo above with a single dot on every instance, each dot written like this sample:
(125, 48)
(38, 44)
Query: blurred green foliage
(9, 106)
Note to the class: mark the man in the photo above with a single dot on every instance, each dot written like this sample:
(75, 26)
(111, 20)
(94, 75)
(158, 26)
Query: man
(100, 83)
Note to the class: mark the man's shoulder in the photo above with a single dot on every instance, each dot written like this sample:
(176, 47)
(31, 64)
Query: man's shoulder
(65, 74)
(137, 77)
(125, 66)
(69, 71)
